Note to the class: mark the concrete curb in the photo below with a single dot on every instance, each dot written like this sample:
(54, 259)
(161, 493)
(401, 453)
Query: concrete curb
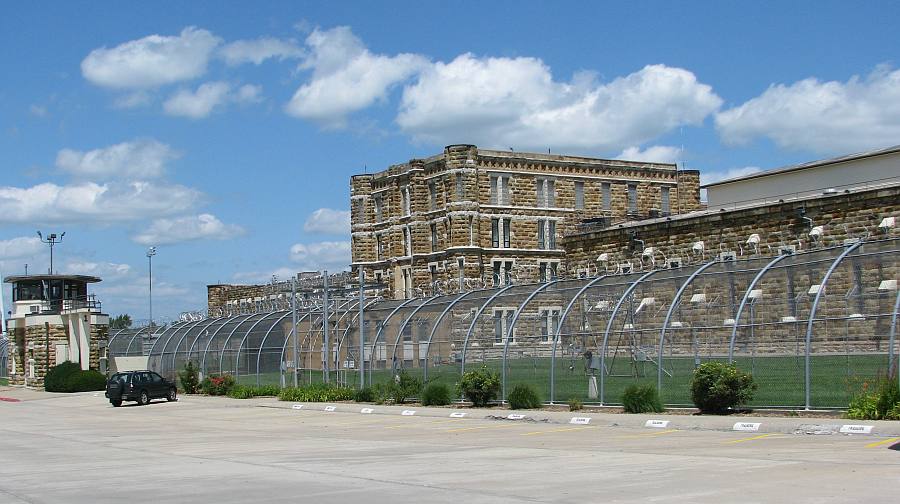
(780, 425)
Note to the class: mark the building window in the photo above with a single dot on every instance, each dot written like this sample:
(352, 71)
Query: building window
(502, 322)
(432, 196)
(361, 211)
(507, 224)
(407, 283)
(459, 186)
(607, 196)
(471, 230)
(551, 234)
(632, 199)
(379, 247)
(664, 200)
(434, 238)
(495, 233)
(404, 197)
(500, 189)
(546, 193)
(548, 270)
(433, 270)
(541, 233)
(549, 323)
(500, 228)
(407, 241)
(379, 208)
(502, 272)
(579, 195)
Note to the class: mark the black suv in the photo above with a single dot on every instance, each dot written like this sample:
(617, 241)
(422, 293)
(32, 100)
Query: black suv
(140, 386)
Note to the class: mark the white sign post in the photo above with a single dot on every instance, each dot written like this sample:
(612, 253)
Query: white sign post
(580, 420)
(657, 424)
(746, 426)
(856, 429)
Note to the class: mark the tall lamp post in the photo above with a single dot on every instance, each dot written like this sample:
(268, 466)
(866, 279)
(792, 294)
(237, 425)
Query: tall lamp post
(150, 253)
(51, 240)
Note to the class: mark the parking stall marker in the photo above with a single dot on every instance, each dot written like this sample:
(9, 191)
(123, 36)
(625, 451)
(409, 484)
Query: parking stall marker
(366, 411)
(746, 427)
(856, 429)
(657, 424)
(297, 406)
(408, 412)
(580, 420)
(330, 408)
(458, 414)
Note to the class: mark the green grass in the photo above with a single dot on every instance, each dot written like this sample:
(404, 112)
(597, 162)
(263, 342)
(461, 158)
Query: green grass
(4, 382)
(834, 378)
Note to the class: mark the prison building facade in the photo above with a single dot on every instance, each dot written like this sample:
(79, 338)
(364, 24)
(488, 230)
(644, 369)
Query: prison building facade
(473, 218)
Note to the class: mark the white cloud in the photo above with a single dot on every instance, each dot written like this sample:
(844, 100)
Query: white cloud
(259, 50)
(152, 61)
(104, 270)
(259, 277)
(133, 100)
(20, 247)
(653, 154)
(330, 255)
(94, 203)
(328, 221)
(138, 159)
(346, 77)
(515, 102)
(181, 229)
(708, 177)
(823, 117)
(200, 103)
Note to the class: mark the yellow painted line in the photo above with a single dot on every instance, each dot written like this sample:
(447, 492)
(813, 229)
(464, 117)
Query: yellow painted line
(649, 434)
(464, 429)
(754, 438)
(565, 429)
(883, 442)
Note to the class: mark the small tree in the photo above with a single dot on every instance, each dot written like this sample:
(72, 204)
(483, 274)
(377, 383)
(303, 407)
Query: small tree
(717, 387)
(120, 321)
(189, 379)
(480, 386)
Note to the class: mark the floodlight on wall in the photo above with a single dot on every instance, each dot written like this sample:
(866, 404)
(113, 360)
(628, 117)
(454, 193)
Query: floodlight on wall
(788, 319)
(677, 325)
(888, 285)
(698, 298)
(647, 301)
(856, 317)
(698, 248)
(887, 224)
(816, 233)
(755, 294)
(728, 322)
(648, 254)
(753, 242)
(814, 289)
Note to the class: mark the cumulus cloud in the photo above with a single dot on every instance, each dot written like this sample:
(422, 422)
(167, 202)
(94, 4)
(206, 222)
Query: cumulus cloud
(92, 202)
(823, 117)
(137, 159)
(133, 100)
(328, 221)
(653, 154)
(104, 270)
(151, 61)
(257, 277)
(181, 229)
(259, 50)
(200, 103)
(516, 102)
(708, 177)
(20, 247)
(330, 255)
(346, 77)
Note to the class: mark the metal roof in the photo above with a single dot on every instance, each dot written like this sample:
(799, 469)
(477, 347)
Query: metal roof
(80, 278)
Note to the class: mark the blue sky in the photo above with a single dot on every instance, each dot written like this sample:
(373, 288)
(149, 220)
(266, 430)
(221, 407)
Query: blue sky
(225, 135)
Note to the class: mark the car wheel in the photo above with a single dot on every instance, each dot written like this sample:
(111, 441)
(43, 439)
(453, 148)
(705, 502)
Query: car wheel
(144, 399)
(115, 402)
(173, 395)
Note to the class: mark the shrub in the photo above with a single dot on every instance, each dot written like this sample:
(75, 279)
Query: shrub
(57, 377)
(436, 394)
(365, 394)
(248, 391)
(717, 387)
(217, 385)
(524, 397)
(405, 387)
(883, 403)
(317, 392)
(479, 386)
(575, 404)
(641, 399)
(188, 379)
(86, 381)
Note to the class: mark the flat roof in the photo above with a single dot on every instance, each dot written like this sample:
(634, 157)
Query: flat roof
(808, 165)
(79, 278)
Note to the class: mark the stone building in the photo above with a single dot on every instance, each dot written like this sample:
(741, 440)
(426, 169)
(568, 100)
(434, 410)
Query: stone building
(54, 319)
(488, 218)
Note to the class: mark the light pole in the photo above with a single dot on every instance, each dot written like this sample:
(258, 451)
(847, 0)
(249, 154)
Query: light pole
(150, 253)
(51, 240)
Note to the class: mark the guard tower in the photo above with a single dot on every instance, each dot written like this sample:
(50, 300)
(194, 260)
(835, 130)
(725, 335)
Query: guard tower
(54, 319)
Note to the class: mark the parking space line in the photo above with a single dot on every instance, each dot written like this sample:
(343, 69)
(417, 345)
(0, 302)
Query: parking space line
(883, 442)
(464, 429)
(564, 429)
(753, 438)
(649, 434)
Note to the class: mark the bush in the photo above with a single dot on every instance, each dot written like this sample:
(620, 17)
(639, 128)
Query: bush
(317, 392)
(188, 379)
(524, 397)
(248, 391)
(717, 387)
(641, 399)
(479, 386)
(405, 387)
(57, 377)
(217, 385)
(69, 377)
(365, 394)
(575, 404)
(436, 394)
(883, 403)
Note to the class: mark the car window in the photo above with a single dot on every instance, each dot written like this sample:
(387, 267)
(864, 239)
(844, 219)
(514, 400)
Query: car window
(145, 377)
(156, 378)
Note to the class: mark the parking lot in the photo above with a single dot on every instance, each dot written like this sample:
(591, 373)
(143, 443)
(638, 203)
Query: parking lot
(78, 449)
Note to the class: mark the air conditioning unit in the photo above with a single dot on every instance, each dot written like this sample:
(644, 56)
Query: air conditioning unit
(787, 249)
(728, 255)
(34, 308)
(675, 262)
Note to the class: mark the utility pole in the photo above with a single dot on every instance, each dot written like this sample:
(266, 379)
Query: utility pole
(325, 339)
(150, 253)
(294, 328)
(362, 329)
(51, 240)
